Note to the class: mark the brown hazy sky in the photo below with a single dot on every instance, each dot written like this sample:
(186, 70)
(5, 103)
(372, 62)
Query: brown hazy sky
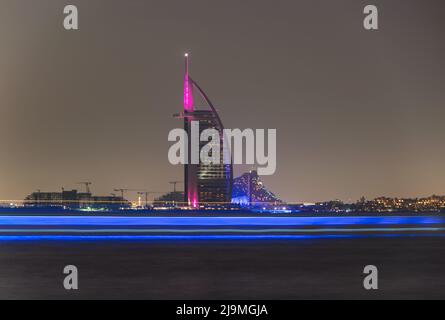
(357, 112)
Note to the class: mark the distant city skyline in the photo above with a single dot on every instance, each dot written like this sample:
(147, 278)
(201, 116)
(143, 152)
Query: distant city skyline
(358, 113)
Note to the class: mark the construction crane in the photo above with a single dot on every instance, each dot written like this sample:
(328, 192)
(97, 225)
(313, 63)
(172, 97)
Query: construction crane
(87, 186)
(174, 183)
(147, 193)
(122, 191)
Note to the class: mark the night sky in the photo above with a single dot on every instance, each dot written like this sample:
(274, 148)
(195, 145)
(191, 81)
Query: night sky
(357, 112)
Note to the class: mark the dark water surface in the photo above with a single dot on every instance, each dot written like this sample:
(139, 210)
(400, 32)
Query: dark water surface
(409, 267)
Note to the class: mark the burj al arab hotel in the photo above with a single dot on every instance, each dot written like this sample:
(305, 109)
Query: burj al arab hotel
(205, 184)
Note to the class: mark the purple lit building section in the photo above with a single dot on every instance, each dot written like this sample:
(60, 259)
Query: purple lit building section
(190, 170)
(204, 184)
(249, 190)
(188, 89)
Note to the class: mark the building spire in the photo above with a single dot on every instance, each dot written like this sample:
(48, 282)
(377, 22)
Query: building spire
(186, 56)
(188, 88)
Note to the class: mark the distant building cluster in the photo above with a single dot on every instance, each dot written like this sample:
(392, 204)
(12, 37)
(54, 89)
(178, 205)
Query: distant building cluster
(170, 199)
(72, 199)
(382, 205)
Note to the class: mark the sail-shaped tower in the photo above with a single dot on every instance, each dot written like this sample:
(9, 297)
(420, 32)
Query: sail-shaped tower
(205, 184)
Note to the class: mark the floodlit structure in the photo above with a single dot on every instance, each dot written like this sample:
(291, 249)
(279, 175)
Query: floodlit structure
(249, 190)
(205, 184)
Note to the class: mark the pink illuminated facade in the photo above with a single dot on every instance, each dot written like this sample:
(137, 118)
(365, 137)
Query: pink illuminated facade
(188, 89)
(204, 184)
(190, 170)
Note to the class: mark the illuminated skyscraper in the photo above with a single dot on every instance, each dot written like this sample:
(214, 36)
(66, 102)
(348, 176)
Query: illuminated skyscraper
(204, 183)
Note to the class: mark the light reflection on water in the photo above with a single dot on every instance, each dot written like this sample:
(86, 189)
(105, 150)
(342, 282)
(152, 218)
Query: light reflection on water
(213, 221)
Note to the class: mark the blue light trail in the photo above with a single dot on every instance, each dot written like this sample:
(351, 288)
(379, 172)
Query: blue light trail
(221, 231)
(213, 221)
(199, 238)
